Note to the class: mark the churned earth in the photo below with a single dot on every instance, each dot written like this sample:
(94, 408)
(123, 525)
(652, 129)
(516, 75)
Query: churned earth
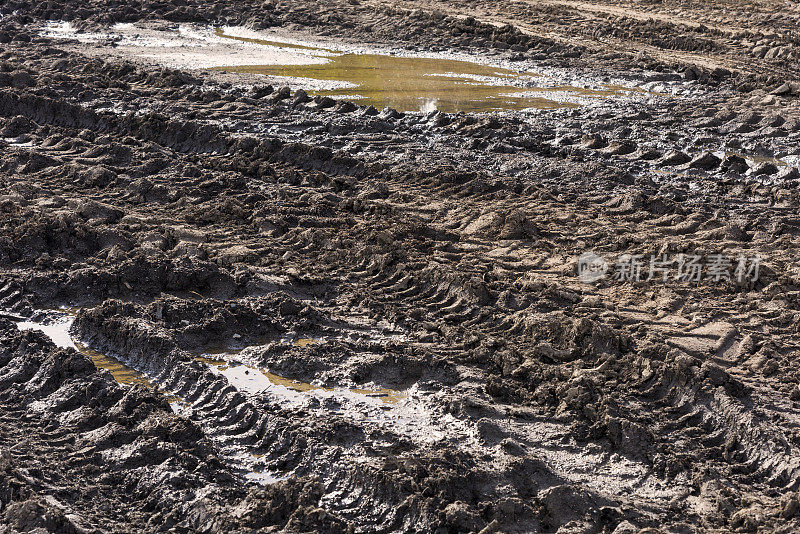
(245, 286)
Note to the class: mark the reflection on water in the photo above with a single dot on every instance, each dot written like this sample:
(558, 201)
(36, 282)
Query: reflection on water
(418, 83)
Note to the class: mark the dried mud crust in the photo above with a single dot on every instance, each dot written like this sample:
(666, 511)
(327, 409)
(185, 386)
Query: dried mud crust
(427, 253)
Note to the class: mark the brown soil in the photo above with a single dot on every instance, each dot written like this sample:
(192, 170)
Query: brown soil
(185, 212)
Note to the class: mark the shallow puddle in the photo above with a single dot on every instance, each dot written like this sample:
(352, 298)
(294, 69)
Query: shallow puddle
(399, 411)
(354, 72)
(121, 372)
(422, 83)
(387, 396)
(254, 380)
(58, 332)
(305, 341)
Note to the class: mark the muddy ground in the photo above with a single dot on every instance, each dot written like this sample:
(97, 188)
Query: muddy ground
(453, 373)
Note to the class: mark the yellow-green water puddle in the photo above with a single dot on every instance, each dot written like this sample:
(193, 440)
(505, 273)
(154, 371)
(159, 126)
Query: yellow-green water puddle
(418, 83)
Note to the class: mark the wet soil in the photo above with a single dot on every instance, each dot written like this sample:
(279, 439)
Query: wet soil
(337, 318)
(412, 83)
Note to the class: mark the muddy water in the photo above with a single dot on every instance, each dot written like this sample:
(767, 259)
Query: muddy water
(420, 83)
(254, 380)
(305, 341)
(121, 372)
(406, 83)
(58, 332)
(242, 377)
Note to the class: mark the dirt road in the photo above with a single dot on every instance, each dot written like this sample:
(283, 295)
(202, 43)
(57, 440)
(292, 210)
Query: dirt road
(294, 314)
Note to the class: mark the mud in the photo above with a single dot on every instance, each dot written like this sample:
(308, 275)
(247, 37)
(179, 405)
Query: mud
(56, 325)
(300, 313)
(413, 83)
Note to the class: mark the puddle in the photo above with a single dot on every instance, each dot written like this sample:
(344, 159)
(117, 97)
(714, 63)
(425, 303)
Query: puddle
(121, 372)
(447, 82)
(402, 412)
(249, 466)
(423, 83)
(253, 380)
(305, 342)
(413, 83)
(58, 332)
